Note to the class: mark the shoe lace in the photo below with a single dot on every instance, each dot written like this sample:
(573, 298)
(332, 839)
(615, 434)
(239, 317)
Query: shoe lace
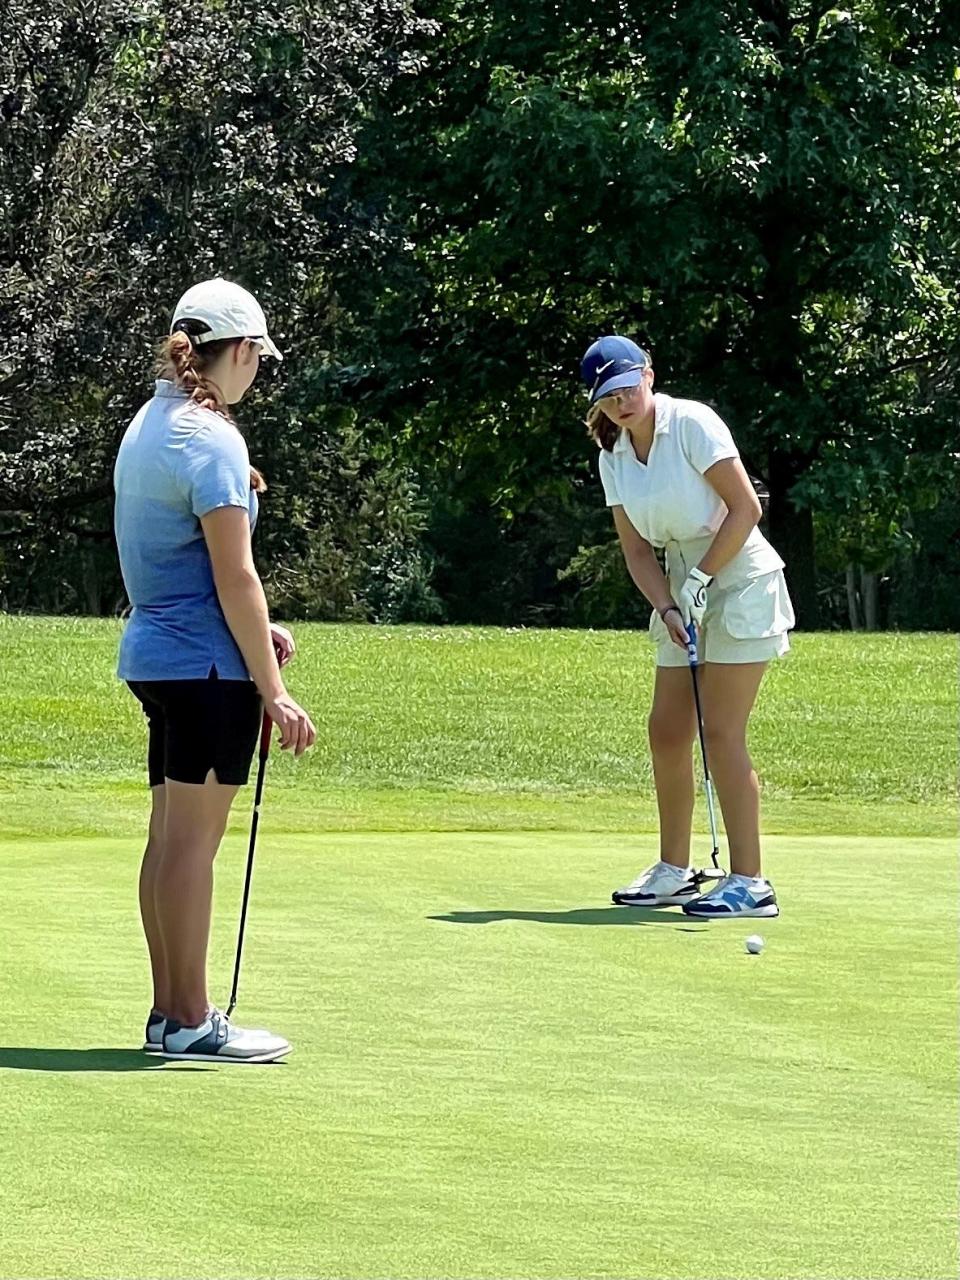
(645, 877)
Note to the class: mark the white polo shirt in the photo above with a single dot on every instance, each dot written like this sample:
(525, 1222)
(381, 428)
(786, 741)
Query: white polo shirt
(667, 499)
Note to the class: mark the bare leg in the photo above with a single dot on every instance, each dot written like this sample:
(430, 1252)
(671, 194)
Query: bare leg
(672, 727)
(728, 691)
(195, 818)
(152, 858)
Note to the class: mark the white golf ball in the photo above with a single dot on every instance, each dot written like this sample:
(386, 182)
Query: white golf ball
(754, 944)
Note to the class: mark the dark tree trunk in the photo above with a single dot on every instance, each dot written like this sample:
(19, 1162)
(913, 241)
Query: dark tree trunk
(778, 342)
(853, 598)
(868, 594)
(791, 532)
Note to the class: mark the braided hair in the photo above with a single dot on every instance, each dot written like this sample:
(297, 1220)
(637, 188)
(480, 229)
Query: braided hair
(186, 363)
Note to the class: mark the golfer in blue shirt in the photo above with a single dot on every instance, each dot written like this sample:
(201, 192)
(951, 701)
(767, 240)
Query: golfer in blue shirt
(198, 650)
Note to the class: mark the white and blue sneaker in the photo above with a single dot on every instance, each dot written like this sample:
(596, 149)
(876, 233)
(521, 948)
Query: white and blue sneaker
(216, 1039)
(662, 885)
(153, 1033)
(734, 897)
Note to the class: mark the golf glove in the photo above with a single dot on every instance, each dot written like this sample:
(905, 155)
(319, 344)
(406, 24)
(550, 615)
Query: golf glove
(692, 600)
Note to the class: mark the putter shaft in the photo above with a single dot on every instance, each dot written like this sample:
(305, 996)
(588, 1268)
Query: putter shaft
(694, 659)
(265, 728)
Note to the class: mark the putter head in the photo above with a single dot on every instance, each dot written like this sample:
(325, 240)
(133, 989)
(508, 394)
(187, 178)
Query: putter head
(708, 873)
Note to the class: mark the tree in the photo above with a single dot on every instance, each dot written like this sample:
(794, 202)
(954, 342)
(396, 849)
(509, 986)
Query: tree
(764, 192)
(144, 146)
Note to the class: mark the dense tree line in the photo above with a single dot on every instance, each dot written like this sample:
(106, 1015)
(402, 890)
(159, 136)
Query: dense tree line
(441, 204)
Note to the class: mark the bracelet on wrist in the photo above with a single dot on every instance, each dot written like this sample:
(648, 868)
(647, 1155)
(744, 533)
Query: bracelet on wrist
(669, 608)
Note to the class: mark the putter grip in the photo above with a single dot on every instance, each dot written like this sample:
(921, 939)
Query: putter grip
(692, 654)
(267, 726)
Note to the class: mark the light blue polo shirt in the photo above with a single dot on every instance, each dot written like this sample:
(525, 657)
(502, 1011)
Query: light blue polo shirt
(177, 462)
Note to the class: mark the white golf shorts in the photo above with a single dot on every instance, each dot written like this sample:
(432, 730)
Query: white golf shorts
(747, 622)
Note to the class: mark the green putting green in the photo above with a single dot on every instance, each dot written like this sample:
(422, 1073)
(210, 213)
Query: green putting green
(495, 1073)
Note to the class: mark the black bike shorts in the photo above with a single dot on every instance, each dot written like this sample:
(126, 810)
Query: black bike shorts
(199, 725)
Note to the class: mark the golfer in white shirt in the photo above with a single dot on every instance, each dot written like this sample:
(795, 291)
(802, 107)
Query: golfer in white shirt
(673, 476)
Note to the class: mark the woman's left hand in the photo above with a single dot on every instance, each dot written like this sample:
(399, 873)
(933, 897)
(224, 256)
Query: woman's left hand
(283, 643)
(692, 596)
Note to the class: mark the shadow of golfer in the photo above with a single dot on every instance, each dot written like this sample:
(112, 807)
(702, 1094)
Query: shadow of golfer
(24, 1059)
(616, 916)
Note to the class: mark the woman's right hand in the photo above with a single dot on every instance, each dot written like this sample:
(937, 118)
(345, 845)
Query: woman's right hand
(673, 621)
(297, 731)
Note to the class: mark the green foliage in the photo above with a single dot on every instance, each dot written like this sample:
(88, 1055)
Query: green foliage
(765, 193)
(342, 526)
(143, 147)
(440, 215)
(605, 596)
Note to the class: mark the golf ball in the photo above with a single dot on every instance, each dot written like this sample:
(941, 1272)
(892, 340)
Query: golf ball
(754, 944)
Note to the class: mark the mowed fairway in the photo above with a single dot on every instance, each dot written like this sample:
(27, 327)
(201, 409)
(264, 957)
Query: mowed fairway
(496, 1074)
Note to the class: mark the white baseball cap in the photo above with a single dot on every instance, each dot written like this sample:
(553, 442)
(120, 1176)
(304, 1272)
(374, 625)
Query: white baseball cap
(229, 310)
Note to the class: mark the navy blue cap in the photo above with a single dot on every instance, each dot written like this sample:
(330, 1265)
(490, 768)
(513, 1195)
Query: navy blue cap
(612, 363)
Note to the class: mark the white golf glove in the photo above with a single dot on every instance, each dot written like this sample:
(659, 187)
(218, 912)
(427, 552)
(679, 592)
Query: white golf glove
(692, 600)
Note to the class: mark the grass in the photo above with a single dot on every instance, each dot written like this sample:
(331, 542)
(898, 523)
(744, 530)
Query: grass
(467, 728)
(480, 1040)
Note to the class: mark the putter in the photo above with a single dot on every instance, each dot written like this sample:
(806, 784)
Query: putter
(715, 872)
(265, 728)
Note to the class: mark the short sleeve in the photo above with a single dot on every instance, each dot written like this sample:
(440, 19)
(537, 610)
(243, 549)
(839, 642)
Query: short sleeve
(215, 469)
(609, 479)
(706, 437)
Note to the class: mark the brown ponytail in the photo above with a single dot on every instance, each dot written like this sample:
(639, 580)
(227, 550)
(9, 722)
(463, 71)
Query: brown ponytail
(179, 360)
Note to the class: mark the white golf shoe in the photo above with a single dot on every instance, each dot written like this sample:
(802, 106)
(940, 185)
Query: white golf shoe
(157, 1024)
(153, 1032)
(216, 1039)
(662, 885)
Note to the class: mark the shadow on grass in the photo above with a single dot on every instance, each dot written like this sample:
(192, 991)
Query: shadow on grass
(583, 915)
(24, 1059)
